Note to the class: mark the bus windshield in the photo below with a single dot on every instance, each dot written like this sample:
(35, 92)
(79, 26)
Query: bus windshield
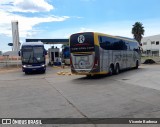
(33, 54)
(82, 42)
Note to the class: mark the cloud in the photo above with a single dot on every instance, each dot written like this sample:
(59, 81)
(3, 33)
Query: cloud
(77, 17)
(121, 28)
(26, 6)
(83, 29)
(26, 24)
(33, 5)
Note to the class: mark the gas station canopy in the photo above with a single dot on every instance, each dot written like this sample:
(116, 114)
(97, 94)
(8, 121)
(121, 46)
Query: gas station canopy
(49, 41)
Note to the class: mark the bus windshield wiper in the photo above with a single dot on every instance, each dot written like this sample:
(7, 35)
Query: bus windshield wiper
(36, 59)
(29, 58)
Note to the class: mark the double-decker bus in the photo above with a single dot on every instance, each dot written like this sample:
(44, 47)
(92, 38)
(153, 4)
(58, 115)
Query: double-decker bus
(33, 57)
(96, 53)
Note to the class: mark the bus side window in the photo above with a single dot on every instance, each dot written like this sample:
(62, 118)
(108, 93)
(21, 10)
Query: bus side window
(131, 46)
(136, 47)
(103, 42)
(128, 45)
(100, 39)
(122, 45)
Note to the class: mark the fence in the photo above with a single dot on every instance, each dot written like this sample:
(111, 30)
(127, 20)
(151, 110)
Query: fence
(7, 61)
(150, 53)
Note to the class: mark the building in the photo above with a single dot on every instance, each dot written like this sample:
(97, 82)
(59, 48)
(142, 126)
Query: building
(151, 45)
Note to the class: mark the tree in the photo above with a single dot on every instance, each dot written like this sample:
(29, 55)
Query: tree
(138, 31)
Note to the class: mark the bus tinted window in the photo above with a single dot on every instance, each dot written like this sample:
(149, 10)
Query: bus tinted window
(31, 54)
(82, 42)
(109, 43)
(133, 46)
(119, 45)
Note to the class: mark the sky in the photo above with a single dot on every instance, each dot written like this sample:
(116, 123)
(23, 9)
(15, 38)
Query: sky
(52, 19)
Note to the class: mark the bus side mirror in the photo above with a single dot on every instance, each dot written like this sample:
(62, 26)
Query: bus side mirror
(19, 53)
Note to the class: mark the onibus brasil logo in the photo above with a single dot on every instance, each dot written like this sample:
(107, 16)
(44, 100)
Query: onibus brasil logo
(21, 121)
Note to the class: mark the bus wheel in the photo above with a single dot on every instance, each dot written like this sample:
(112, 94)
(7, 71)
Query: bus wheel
(44, 71)
(89, 76)
(136, 65)
(111, 70)
(117, 69)
(26, 72)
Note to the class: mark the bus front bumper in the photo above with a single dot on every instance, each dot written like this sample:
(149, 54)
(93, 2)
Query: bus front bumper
(30, 68)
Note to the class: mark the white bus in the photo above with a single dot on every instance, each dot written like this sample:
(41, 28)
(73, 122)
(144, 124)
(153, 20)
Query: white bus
(96, 53)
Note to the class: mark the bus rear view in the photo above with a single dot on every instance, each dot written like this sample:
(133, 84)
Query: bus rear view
(33, 57)
(83, 57)
(98, 53)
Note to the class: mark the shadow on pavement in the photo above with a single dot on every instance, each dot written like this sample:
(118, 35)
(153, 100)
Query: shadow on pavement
(122, 73)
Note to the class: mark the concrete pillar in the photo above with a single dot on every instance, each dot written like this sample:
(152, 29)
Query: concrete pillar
(15, 36)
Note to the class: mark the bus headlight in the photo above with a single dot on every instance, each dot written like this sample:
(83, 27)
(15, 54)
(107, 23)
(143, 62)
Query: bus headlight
(24, 66)
(43, 65)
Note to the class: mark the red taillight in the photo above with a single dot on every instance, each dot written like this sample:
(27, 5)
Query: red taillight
(95, 62)
(70, 61)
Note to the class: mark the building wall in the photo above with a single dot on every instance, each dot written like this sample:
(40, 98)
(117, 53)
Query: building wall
(151, 45)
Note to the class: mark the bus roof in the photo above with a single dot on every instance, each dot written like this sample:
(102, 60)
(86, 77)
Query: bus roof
(32, 44)
(118, 37)
(126, 38)
(49, 41)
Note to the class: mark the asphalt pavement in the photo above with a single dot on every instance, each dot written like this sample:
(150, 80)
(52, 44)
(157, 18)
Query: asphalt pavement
(131, 94)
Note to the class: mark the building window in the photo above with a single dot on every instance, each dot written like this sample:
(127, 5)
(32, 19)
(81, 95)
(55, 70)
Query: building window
(152, 42)
(144, 43)
(157, 42)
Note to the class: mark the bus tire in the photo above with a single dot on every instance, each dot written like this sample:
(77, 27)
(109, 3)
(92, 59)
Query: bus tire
(111, 70)
(26, 72)
(44, 71)
(137, 64)
(117, 69)
(89, 76)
